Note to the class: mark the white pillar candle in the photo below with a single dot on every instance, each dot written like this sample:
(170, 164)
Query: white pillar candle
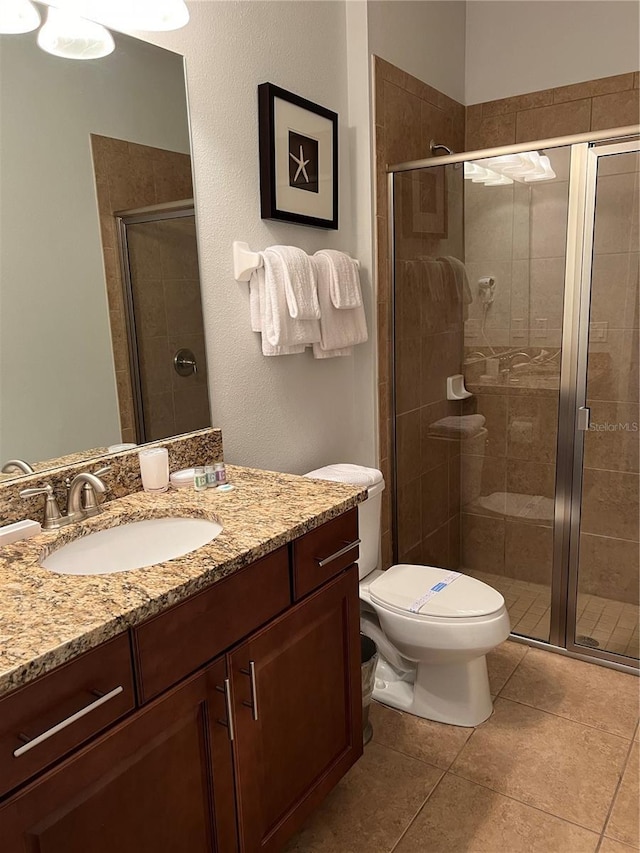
(154, 469)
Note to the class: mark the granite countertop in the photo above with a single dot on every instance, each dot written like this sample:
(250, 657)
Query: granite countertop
(47, 619)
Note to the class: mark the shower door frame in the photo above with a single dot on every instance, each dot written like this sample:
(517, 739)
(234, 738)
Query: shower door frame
(590, 155)
(573, 371)
(124, 218)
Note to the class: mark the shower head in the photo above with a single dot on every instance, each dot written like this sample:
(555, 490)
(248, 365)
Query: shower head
(435, 146)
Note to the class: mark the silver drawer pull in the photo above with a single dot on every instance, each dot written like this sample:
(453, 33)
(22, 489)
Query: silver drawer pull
(63, 725)
(227, 699)
(253, 704)
(349, 547)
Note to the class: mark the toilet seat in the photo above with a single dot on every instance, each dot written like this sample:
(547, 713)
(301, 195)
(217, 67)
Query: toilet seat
(462, 598)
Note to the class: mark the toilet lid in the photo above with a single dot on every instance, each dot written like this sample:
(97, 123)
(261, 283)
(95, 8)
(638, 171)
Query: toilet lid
(427, 591)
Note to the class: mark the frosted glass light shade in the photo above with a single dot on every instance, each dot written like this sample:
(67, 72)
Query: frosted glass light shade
(527, 167)
(65, 34)
(18, 16)
(152, 15)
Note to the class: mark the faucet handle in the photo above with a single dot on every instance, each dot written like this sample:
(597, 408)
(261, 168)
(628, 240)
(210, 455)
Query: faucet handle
(52, 516)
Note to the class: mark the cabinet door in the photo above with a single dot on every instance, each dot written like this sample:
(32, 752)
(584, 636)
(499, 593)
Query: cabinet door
(298, 712)
(145, 786)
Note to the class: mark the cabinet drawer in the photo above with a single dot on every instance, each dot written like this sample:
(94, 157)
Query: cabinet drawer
(324, 552)
(177, 642)
(49, 717)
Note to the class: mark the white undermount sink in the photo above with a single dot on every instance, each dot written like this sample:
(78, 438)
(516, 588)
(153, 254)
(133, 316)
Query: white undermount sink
(132, 546)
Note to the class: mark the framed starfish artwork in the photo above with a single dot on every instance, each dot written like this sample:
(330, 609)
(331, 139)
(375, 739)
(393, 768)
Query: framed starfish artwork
(298, 159)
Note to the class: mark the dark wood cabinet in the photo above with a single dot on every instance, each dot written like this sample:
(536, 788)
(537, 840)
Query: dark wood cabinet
(160, 780)
(214, 756)
(298, 728)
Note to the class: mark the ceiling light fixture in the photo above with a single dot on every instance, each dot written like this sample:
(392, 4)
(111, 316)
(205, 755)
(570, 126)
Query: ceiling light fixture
(528, 167)
(151, 15)
(18, 16)
(71, 37)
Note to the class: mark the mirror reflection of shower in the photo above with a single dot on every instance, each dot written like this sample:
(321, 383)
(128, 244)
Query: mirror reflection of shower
(165, 330)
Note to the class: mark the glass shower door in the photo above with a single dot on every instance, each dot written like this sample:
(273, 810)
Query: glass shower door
(605, 546)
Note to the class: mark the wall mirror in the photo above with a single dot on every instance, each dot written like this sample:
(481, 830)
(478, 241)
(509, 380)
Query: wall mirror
(101, 329)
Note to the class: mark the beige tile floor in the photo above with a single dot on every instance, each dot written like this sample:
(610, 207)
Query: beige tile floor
(612, 624)
(553, 770)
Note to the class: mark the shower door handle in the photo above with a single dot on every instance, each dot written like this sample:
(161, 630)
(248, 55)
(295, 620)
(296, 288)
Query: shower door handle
(584, 418)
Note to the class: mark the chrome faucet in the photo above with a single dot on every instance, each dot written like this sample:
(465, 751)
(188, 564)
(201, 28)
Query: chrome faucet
(17, 465)
(81, 500)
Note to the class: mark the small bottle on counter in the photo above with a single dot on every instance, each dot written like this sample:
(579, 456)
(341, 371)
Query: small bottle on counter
(199, 478)
(210, 471)
(220, 474)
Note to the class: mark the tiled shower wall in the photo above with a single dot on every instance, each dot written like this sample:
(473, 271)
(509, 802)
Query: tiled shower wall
(517, 235)
(129, 176)
(408, 114)
(609, 544)
(609, 541)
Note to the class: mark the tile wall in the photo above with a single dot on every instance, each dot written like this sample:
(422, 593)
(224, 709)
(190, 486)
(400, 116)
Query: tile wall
(519, 238)
(167, 304)
(523, 449)
(408, 114)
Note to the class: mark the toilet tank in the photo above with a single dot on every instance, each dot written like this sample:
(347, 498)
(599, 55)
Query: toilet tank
(369, 512)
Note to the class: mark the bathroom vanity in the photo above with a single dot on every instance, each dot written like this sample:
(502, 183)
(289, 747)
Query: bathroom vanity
(209, 706)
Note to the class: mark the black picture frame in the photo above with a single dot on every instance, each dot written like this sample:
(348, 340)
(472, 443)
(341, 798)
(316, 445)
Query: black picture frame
(298, 159)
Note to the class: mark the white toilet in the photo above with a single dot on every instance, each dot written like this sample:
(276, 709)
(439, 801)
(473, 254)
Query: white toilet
(433, 627)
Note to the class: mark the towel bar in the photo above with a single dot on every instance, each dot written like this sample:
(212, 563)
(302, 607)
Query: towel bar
(245, 261)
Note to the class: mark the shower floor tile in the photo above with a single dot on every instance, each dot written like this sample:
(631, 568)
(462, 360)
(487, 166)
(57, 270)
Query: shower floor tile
(611, 625)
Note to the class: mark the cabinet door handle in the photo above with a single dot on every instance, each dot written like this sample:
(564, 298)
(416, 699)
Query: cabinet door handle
(253, 704)
(323, 561)
(227, 700)
(69, 720)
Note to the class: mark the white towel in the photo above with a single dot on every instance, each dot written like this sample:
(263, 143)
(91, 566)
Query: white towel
(344, 279)
(318, 352)
(458, 274)
(457, 426)
(254, 302)
(299, 279)
(340, 329)
(281, 335)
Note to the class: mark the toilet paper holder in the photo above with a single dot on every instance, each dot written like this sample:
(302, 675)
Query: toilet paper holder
(456, 389)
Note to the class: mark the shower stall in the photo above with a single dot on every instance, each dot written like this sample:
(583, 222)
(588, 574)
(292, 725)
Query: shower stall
(516, 381)
(164, 323)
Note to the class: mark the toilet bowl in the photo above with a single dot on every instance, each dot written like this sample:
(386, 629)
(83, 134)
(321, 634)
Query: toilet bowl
(433, 627)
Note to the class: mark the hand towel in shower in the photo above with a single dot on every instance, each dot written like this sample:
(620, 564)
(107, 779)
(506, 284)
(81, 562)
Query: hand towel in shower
(458, 273)
(344, 279)
(299, 279)
(340, 329)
